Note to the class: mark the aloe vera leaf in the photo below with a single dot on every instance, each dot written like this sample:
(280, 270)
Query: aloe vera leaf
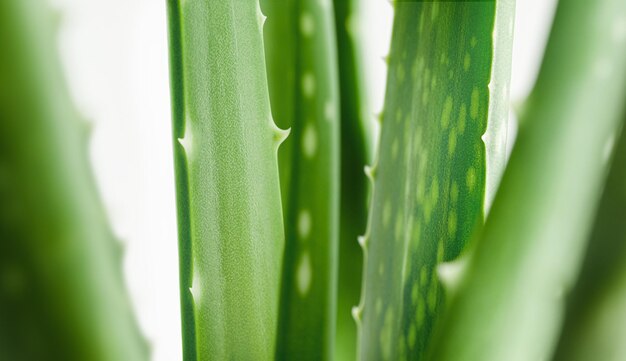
(356, 153)
(433, 168)
(305, 97)
(62, 293)
(595, 324)
(281, 34)
(231, 236)
(508, 304)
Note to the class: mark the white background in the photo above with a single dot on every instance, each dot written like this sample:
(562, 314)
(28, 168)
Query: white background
(115, 56)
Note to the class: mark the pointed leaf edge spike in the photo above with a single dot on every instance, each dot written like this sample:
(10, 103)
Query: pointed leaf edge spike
(357, 312)
(379, 117)
(280, 135)
(370, 172)
(362, 241)
(260, 16)
(186, 143)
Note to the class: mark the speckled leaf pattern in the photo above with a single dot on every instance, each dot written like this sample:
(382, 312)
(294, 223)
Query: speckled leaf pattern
(356, 152)
(430, 175)
(509, 302)
(303, 80)
(62, 294)
(229, 212)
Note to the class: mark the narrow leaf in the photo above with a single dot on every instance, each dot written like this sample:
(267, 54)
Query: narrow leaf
(303, 80)
(225, 142)
(356, 153)
(62, 293)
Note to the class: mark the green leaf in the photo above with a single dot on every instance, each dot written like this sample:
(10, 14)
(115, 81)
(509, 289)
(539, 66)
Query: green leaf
(62, 293)
(509, 303)
(356, 153)
(303, 80)
(231, 236)
(441, 150)
(594, 325)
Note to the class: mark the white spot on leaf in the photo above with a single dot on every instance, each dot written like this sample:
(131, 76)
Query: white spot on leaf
(308, 85)
(309, 141)
(330, 111)
(307, 24)
(304, 224)
(304, 274)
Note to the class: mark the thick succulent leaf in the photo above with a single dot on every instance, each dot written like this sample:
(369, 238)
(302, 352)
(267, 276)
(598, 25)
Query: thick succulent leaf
(595, 324)
(431, 175)
(225, 142)
(509, 302)
(356, 153)
(303, 79)
(62, 293)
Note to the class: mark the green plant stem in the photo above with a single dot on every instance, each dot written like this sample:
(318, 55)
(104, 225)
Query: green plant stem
(356, 153)
(231, 236)
(509, 302)
(62, 293)
(303, 80)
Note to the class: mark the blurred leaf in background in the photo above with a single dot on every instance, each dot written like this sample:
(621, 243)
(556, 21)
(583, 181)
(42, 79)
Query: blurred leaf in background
(62, 293)
(595, 322)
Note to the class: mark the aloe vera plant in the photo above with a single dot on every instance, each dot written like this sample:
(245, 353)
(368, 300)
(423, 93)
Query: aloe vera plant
(230, 221)
(438, 282)
(529, 253)
(269, 263)
(441, 146)
(62, 295)
(304, 64)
